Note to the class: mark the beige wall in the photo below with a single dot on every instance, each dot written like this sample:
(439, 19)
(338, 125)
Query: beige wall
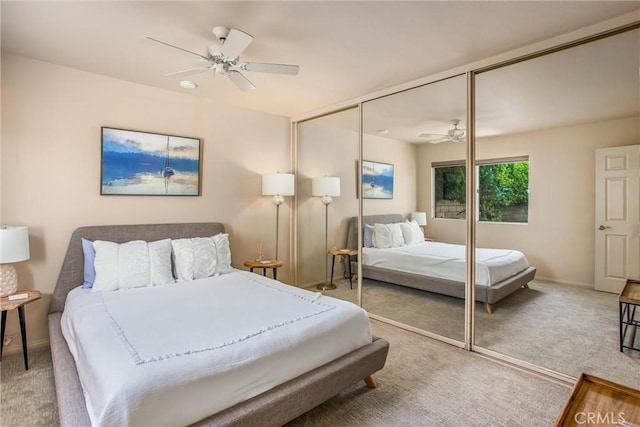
(559, 238)
(50, 176)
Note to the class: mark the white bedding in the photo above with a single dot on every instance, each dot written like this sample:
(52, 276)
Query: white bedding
(174, 354)
(447, 261)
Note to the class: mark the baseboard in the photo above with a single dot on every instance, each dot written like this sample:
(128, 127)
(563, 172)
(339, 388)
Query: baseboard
(564, 282)
(16, 346)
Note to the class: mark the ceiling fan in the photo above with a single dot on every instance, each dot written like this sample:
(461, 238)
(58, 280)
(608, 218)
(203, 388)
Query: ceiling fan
(223, 58)
(454, 134)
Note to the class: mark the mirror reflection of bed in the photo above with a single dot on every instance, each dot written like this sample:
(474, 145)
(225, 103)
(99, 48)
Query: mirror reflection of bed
(436, 267)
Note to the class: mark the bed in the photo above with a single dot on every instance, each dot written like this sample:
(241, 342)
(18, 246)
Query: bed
(275, 405)
(491, 286)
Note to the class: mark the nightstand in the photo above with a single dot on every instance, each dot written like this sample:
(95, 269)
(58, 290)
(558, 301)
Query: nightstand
(273, 264)
(347, 253)
(6, 305)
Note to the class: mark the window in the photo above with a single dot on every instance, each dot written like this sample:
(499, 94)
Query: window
(502, 189)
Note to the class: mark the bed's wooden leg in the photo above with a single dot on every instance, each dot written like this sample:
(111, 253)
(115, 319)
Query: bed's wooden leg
(370, 382)
(488, 307)
(526, 286)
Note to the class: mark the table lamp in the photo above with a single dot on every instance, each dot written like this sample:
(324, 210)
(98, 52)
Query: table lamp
(326, 187)
(420, 218)
(14, 247)
(278, 185)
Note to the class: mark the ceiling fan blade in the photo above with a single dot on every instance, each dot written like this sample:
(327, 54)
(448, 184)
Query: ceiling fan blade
(236, 42)
(188, 52)
(433, 136)
(290, 70)
(189, 72)
(241, 81)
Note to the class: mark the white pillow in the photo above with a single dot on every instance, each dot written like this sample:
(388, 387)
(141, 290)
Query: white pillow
(201, 257)
(412, 233)
(223, 250)
(387, 236)
(131, 264)
(195, 258)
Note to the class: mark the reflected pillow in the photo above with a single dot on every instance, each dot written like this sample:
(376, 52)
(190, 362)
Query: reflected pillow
(368, 236)
(412, 233)
(387, 236)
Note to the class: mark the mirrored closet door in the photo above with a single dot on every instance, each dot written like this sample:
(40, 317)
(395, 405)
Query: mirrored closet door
(539, 124)
(327, 154)
(405, 136)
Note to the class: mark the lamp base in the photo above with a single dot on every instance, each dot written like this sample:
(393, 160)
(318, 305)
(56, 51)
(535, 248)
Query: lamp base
(8, 280)
(326, 286)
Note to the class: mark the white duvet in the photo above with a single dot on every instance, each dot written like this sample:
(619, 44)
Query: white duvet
(447, 261)
(174, 354)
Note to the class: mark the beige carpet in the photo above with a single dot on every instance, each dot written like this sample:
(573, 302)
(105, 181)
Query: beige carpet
(564, 328)
(424, 383)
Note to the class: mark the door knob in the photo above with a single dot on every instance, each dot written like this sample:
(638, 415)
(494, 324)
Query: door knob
(602, 227)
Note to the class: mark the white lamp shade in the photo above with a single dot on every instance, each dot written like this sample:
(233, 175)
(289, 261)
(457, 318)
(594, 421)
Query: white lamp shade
(14, 244)
(419, 217)
(278, 184)
(325, 186)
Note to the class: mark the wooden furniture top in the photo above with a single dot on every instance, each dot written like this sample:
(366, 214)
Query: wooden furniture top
(349, 252)
(267, 263)
(602, 402)
(631, 292)
(6, 305)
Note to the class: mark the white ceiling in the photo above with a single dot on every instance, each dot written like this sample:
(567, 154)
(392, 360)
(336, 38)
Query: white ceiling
(345, 49)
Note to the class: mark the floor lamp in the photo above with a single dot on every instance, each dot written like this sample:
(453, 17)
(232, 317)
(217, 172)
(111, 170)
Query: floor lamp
(278, 185)
(326, 187)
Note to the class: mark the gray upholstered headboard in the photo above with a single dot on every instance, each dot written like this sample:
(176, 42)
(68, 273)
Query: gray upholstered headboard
(72, 270)
(352, 230)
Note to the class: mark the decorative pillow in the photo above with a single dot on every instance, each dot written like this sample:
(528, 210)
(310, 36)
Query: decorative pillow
(201, 257)
(368, 236)
(194, 258)
(131, 264)
(412, 233)
(89, 269)
(387, 235)
(223, 250)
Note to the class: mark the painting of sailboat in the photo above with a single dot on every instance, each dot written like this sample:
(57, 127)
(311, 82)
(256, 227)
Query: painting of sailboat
(144, 163)
(377, 180)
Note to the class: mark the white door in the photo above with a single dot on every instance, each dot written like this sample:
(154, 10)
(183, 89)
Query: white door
(617, 227)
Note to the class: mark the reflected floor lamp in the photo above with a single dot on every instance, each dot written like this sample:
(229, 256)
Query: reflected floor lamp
(278, 185)
(326, 187)
(14, 247)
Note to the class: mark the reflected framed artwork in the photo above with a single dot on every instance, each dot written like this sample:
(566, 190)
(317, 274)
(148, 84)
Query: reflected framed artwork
(148, 164)
(377, 180)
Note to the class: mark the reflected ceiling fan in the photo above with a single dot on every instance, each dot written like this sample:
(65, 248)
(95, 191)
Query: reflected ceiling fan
(223, 58)
(453, 135)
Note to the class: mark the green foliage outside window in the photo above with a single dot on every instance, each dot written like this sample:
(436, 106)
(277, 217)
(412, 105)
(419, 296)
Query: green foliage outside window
(503, 190)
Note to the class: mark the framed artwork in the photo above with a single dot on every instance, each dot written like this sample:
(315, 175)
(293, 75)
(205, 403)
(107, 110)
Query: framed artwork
(377, 180)
(149, 164)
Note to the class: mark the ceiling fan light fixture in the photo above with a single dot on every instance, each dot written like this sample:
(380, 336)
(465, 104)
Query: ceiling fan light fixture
(224, 58)
(187, 84)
